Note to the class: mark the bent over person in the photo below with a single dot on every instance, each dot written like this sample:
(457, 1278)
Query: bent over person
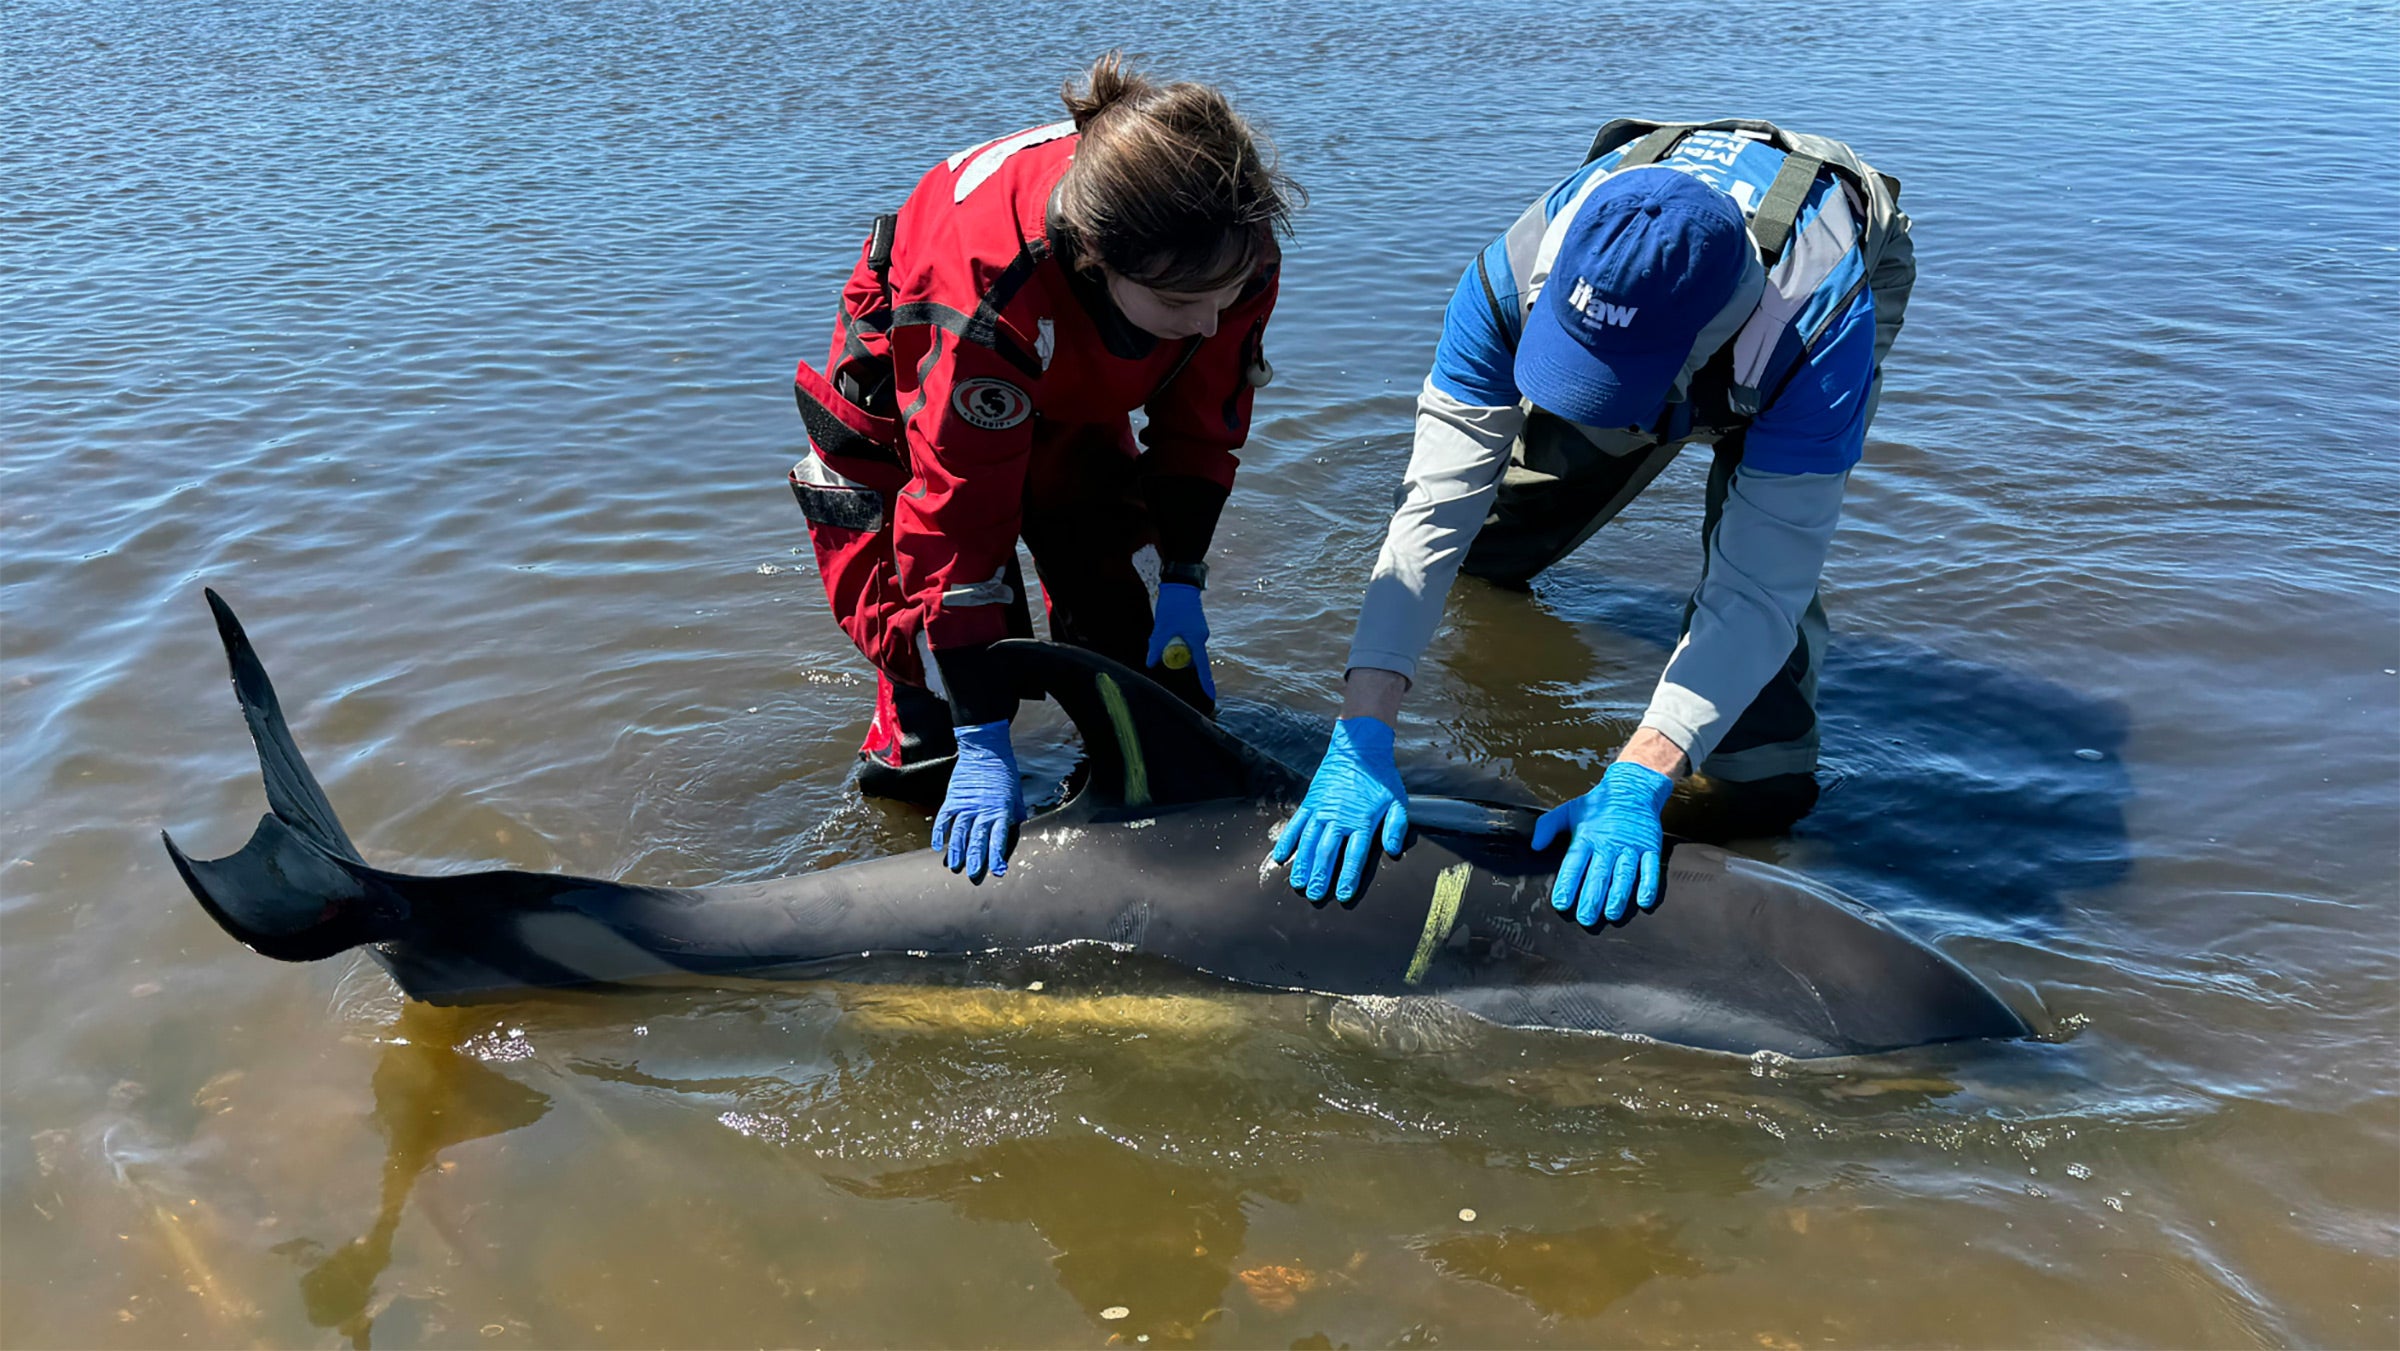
(993, 340)
(1728, 282)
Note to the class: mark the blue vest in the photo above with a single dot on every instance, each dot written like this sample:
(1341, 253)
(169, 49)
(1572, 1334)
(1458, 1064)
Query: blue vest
(1826, 225)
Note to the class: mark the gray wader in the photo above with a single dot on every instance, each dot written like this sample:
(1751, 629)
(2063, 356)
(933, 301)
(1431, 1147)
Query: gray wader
(1557, 492)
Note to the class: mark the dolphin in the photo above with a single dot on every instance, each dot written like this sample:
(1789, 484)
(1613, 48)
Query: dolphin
(1161, 852)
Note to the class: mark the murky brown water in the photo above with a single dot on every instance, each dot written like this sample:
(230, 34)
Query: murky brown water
(450, 341)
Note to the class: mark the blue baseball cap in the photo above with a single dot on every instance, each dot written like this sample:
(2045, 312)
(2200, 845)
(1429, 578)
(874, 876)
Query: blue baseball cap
(1646, 263)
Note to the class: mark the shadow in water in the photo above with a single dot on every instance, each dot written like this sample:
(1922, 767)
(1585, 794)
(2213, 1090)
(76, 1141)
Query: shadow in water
(428, 1097)
(1945, 783)
(1567, 1273)
(1155, 1238)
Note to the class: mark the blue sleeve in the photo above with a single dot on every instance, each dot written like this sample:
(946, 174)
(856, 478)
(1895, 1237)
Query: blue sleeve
(1819, 423)
(1476, 363)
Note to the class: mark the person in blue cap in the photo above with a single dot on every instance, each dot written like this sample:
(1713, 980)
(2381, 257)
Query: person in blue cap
(1728, 282)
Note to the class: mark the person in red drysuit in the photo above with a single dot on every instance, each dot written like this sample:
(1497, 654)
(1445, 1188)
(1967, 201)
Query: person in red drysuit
(997, 333)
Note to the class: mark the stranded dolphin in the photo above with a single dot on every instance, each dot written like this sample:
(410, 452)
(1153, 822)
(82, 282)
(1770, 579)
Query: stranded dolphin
(1160, 852)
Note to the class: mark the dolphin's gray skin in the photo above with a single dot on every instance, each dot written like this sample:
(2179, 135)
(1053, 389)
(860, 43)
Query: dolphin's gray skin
(1162, 852)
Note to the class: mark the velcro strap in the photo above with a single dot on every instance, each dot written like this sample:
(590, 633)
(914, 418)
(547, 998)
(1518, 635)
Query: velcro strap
(840, 427)
(856, 508)
(1779, 210)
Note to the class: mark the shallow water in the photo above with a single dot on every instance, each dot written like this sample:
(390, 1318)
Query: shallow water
(451, 342)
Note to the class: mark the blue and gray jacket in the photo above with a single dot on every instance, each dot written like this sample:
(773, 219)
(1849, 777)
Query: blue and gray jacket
(1793, 361)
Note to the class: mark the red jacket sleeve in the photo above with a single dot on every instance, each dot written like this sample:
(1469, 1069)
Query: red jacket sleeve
(969, 416)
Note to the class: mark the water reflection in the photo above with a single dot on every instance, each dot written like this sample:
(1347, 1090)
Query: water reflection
(428, 1097)
(1152, 1237)
(1946, 783)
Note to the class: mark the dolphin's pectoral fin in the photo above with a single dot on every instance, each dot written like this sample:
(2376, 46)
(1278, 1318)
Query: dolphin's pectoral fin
(1147, 747)
(292, 791)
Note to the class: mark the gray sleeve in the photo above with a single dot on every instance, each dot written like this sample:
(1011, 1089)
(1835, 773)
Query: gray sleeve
(1460, 453)
(1762, 568)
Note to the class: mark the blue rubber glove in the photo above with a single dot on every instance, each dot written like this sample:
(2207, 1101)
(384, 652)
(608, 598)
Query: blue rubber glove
(1613, 859)
(1357, 787)
(977, 824)
(1178, 616)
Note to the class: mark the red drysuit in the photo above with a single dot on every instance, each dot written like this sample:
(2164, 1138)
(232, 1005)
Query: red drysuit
(978, 391)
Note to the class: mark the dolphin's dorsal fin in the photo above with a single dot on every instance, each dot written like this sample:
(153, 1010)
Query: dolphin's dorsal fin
(1147, 747)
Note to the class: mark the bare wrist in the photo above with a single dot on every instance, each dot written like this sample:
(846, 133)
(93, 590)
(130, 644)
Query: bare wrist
(1650, 749)
(1372, 692)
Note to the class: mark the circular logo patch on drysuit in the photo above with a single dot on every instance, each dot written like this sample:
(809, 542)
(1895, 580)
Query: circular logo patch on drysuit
(994, 405)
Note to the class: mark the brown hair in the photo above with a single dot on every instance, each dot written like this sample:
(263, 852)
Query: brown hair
(1167, 187)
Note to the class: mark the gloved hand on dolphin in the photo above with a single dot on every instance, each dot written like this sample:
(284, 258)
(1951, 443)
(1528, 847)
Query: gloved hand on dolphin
(977, 824)
(1355, 794)
(1614, 839)
(1614, 843)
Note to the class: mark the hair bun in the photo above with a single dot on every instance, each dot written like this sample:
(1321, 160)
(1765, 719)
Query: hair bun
(1168, 186)
(1109, 82)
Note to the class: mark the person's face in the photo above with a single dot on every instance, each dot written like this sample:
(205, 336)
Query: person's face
(1170, 314)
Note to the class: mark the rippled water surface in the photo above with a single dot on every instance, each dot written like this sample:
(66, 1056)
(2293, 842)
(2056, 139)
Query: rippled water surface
(451, 341)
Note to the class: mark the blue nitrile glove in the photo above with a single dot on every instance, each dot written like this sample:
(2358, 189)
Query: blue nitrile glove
(979, 814)
(1357, 787)
(1178, 616)
(1613, 858)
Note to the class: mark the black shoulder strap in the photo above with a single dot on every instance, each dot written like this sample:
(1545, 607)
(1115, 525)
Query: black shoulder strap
(1651, 148)
(1624, 131)
(1491, 295)
(1779, 210)
(879, 242)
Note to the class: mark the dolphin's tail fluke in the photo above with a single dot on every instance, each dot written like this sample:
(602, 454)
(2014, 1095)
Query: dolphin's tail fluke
(286, 898)
(286, 894)
(291, 790)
